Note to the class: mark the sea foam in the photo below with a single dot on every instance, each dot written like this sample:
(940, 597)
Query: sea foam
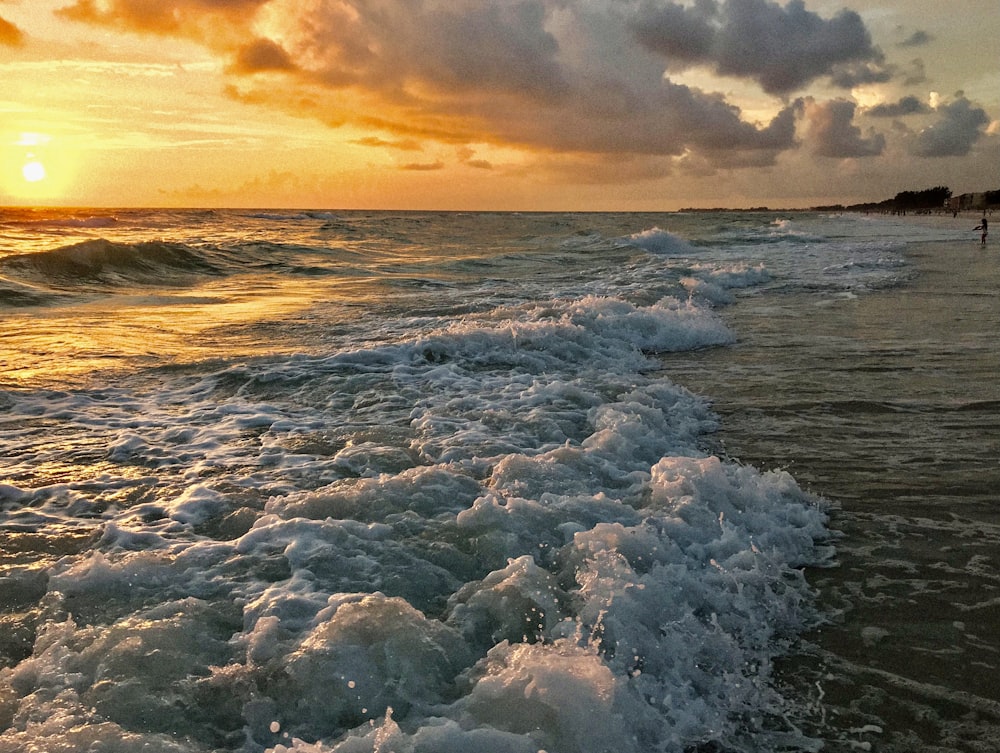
(658, 241)
(498, 531)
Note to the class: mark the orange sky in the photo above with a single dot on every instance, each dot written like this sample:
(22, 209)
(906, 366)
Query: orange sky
(495, 104)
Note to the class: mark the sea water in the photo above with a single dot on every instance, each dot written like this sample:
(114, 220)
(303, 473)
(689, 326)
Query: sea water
(369, 481)
(888, 404)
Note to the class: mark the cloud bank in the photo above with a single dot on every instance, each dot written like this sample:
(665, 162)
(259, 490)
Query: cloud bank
(589, 80)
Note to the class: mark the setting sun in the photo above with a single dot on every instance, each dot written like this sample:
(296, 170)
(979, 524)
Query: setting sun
(33, 171)
(37, 167)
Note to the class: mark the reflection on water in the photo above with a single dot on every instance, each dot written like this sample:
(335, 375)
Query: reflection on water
(59, 343)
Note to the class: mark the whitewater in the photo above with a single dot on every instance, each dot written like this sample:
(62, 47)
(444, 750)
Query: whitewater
(373, 481)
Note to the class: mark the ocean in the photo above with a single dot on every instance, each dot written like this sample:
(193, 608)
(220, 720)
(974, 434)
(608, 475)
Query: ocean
(315, 481)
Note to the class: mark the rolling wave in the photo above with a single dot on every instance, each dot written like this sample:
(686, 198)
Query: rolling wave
(102, 262)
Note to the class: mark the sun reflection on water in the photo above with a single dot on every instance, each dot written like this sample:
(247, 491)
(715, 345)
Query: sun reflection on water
(61, 345)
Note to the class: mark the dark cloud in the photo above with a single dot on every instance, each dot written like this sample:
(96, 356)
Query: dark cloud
(684, 35)
(906, 106)
(916, 74)
(917, 39)
(957, 129)
(849, 75)
(491, 44)
(10, 35)
(782, 48)
(669, 121)
(833, 134)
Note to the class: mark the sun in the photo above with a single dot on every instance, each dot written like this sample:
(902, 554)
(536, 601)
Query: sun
(36, 167)
(34, 171)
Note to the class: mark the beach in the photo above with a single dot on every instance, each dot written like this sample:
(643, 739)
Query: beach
(887, 405)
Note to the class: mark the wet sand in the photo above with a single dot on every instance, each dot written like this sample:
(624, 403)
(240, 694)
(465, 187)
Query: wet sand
(888, 405)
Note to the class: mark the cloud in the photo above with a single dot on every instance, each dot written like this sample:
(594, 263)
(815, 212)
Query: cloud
(10, 35)
(670, 120)
(957, 129)
(781, 48)
(916, 74)
(261, 55)
(833, 134)
(406, 145)
(440, 48)
(192, 18)
(553, 76)
(423, 166)
(908, 105)
(468, 157)
(850, 75)
(917, 39)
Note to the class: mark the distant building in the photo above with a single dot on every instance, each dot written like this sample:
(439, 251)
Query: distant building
(966, 201)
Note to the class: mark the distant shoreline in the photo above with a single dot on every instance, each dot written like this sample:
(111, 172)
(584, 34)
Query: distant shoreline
(937, 200)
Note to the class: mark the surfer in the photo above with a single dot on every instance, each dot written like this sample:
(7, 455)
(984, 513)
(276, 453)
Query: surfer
(984, 226)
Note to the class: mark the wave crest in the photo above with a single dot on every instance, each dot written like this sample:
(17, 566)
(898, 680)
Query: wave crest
(661, 242)
(102, 261)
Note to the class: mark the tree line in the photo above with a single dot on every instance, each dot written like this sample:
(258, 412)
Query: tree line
(929, 199)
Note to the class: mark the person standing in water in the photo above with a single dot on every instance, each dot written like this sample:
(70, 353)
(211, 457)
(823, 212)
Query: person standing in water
(984, 227)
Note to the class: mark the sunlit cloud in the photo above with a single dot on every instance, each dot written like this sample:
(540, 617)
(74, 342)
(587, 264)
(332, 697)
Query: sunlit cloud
(10, 35)
(33, 139)
(90, 67)
(424, 166)
(525, 73)
(406, 145)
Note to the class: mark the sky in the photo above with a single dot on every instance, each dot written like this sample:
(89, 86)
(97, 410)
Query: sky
(561, 105)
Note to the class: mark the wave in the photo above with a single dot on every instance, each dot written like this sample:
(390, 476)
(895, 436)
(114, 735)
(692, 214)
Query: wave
(292, 216)
(56, 219)
(395, 536)
(512, 501)
(15, 294)
(778, 231)
(97, 221)
(661, 242)
(106, 262)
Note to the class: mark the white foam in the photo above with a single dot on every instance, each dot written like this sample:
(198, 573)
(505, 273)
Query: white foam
(491, 532)
(661, 242)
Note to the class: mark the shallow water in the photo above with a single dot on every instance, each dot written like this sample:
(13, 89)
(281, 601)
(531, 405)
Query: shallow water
(888, 405)
(343, 482)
